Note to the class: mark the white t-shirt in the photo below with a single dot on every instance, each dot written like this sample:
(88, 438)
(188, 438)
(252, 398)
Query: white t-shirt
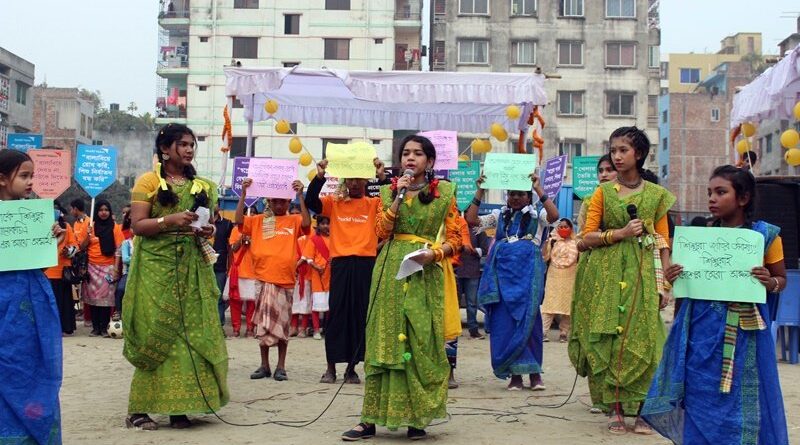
(490, 221)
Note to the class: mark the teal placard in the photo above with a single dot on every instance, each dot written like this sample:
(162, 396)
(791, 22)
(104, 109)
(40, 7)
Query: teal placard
(717, 262)
(26, 239)
(584, 175)
(465, 181)
(509, 171)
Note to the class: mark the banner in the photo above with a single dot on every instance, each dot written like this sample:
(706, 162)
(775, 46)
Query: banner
(356, 160)
(552, 176)
(24, 141)
(446, 143)
(240, 169)
(95, 168)
(52, 172)
(272, 178)
(26, 240)
(717, 262)
(464, 180)
(509, 171)
(584, 175)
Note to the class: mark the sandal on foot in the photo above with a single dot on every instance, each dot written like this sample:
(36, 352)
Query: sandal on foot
(141, 421)
(280, 375)
(416, 434)
(360, 431)
(261, 373)
(352, 378)
(616, 424)
(179, 422)
(328, 377)
(642, 427)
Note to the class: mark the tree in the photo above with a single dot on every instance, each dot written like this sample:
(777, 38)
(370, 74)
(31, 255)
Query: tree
(92, 96)
(119, 121)
(132, 107)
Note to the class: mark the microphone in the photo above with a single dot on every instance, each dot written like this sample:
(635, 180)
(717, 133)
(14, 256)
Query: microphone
(632, 212)
(402, 193)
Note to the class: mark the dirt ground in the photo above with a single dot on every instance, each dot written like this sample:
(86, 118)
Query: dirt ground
(481, 411)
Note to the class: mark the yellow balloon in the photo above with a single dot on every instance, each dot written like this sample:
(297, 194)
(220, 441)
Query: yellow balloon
(271, 106)
(797, 110)
(513, 111)
(743, 146)
(477, 146)
(792, 157)
(464, 158)
(305, 159)
(790, 138)
(487, 145)
(282, 127)
(748, 129)
(312, 174)
(499, 132)
(295, 146)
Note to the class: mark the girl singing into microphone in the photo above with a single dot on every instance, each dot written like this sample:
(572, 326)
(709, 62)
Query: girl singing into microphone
(625, 329)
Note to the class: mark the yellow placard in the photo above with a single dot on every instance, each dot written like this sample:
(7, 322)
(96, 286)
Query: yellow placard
(355, 160)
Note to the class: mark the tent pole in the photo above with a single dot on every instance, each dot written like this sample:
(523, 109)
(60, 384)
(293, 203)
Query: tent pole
(248, 150)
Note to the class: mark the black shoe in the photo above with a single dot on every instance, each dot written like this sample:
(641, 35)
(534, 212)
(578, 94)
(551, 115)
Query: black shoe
(367, 431)
(415, 434)
(280, 375)
(261, 373)
(474, 333)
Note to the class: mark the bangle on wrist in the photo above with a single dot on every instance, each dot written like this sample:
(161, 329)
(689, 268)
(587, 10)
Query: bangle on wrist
(162, 225)
(476, 202)
(543, 198)
(777, 287)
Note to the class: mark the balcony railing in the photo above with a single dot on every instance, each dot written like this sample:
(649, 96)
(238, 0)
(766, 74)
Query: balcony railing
(439, 65)
(407, 15)
(171, 107)
(173, 63)
(183, 14)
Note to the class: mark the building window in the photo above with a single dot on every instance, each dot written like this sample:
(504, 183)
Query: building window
(202, 87)
(690, 75)
(245, 4)
(291, 24)
(290, 64)
(621, 55)
(238, 146)
(523, 53)
(337, 49)
(621, 8)
(203, 39)
(326, 141)
(379, 41)
(201, 138)
(715, 115)
(571, 8)
(570, 53)
(523, 7)
(652, 107)
(570, 103)
(439, 7)
(664, 116)
(376, 142)
(768, 143)
(339, 5)
(653, 56)
(237, 103)
(664, 144)
(473, 51)
(571, 149)
(22, 93)
(619, 103)
(473, 7)
(245, 47)
(664, 171)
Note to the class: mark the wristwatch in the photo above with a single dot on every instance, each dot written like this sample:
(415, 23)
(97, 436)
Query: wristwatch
(162, 225)
(543, 198)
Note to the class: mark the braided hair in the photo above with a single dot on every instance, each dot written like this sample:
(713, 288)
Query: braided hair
(168, 135)
(638, 139)
(430, 153)
(744, 184)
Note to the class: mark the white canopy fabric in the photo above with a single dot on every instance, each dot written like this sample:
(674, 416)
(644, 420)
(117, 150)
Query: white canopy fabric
(773, 94)
(465, 102)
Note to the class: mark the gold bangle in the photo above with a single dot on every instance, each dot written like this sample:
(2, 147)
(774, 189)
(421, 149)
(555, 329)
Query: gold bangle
(390, 213)
(162, 225)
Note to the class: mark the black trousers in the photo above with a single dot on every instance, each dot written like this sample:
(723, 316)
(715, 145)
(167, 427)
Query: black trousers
(101, 316)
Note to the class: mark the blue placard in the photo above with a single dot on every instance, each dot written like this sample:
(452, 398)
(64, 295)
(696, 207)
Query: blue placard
(95, 168)
(24, 141)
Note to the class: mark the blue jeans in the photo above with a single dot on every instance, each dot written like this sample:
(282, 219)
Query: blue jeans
(222, 277)
(469, 287)
(119, 293)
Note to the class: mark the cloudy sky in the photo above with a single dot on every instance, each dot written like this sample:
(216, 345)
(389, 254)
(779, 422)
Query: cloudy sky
(111, 46)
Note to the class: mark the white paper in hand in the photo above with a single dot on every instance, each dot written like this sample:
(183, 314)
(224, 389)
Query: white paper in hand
(409, 266)
(203, 216)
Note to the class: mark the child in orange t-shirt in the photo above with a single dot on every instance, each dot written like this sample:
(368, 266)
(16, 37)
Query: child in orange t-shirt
(245, 277)
(273, 247)
(317, 254)
(301, 300)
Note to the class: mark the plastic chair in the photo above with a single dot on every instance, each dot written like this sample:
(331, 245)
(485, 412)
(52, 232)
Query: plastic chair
(787, 320)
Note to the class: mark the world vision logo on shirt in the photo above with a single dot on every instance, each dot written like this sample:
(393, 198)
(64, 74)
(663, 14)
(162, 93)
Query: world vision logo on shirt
(286, 231)
(358, 219)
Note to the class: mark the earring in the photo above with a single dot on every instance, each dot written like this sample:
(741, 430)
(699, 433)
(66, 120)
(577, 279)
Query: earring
(165, 157)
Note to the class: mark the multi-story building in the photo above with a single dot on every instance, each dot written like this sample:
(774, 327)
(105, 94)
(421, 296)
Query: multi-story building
(601, 58)
(16, 101)
(200, 37)
(63, 116)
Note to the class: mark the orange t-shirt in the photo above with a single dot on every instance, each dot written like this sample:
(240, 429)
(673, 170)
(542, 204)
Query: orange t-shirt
(81, 229)
(352, 225)
(275, 259)
(56, 272)
(246, 267)
(96, 255)
(320, 282)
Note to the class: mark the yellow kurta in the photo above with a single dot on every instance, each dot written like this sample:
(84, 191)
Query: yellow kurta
(560, 276)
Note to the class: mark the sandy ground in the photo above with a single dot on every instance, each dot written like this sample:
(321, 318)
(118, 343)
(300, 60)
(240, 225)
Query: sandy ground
(96, 385)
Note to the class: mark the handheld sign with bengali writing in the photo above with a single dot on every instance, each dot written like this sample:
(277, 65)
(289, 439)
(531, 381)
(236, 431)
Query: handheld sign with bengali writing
(509, 171)
(26, 240)
(446, 144)
(240, 169)
(464, 179)
(374, 185)
(330, 187)
(716, 264)
(24, 141)
(553, 175)
(95, 168)
(53, 172)
(356, 160)
(584, 175)
(272, 178)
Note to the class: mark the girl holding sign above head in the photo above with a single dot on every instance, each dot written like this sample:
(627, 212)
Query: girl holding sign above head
(624, 333)
(30, 357)
(718, 379)
(512, 284)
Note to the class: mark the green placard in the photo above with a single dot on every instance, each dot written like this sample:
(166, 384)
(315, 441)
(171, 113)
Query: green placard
(464, 179)
(717, 262)
(26, 240)
(509, 171)
(584, 175)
